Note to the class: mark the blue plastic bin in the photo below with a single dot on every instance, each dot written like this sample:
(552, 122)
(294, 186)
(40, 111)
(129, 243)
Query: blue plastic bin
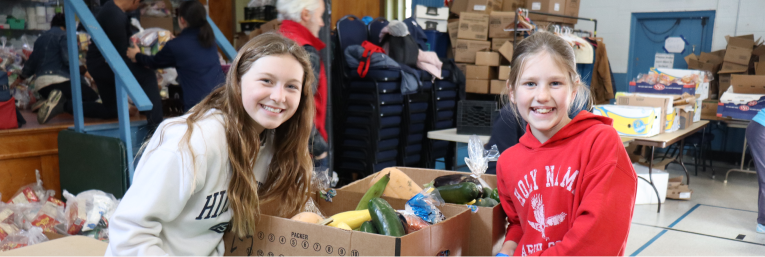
(437, 42)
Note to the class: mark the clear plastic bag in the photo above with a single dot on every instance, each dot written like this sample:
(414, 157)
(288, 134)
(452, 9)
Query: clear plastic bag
(424, 205)
(48, 216)
(478, 158)
(89, 210)
(23, 238)
(412, 222)
(32, 193)
(320, 181)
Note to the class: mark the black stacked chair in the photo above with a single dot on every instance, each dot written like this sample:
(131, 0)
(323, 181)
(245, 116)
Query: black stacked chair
(441, 115)
(369, 112)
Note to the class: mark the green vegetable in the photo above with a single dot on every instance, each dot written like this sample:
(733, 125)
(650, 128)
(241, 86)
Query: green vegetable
(495, 195)
(375, 191)
(459, 193)
(486, 202)
(486, 192)
(368, 227)
(385, 219)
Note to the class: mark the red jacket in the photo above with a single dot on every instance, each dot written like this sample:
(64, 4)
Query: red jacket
(572, 195)
(301, 35)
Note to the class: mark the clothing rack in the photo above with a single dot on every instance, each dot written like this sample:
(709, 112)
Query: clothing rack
(527, 12)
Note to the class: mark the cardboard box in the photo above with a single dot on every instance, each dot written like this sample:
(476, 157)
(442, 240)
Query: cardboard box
(496, 43)
(760, 66)
(677, 190)
(748, 84)
(487, 58)
(685, 116)
(656, 87)
(739, 106)
(453, 28)
(487, 225)
(432, 13)
(484, 6)
(724, 84)
(281, 236)
(645, 193)
(709, 109)
(572, 9)
(474, 26)
(697, 110)
(157, 22)
(466, 50)
(497, 87)
(507, 50)
(739, 49)
(504, 72)
(480, 72)
(547, 6)
(429, 24)
(462, 67)
(663, 102)
(729, 67)
(512, 5)
(675, 182)
(498, 21)
(634, 121)
(706, 61)
(458, 6)
(477, 86)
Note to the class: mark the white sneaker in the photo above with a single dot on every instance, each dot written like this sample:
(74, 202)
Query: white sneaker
(761, 228)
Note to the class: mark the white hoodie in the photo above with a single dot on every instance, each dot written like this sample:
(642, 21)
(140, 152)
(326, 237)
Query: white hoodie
(163, 212)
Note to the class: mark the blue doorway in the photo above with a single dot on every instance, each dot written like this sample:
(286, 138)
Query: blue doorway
(648, 32)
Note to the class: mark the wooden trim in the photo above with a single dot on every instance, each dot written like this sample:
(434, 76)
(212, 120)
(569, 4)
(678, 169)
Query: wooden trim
(29, 154)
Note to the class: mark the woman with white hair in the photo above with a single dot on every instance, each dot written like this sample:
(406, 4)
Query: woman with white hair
(301, 22)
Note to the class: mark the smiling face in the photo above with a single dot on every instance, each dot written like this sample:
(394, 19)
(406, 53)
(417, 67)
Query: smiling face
(271, 90)
(543, 95)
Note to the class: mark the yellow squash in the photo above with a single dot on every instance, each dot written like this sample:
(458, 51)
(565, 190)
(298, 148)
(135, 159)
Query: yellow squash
(353, 219)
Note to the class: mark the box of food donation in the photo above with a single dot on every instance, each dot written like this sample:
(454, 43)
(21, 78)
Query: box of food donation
(484, 6)
(60, 245)
(668, 81)
(466, 50)
(480, 72)
(497, 87)
(474, 26)
(653, 100)
(709, 109)
(547, 6)
(477, 86)
(278, 236)
(645, 193)
(487, 58)
(634, 121)
(739, 49)
(487, 224)
(504, 72)
(677, 190)
(748, 84)
(453, 28)
(498, 21)
(739, 106)
(572, 9)
(496, 43)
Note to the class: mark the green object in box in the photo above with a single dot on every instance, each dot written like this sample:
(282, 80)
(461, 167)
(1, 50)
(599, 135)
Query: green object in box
(15, 23)
(89, 161)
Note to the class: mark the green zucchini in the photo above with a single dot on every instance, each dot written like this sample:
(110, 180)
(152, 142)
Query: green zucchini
(368, 227)
(495, 195)
(459, 193)
(486, 202)
(486, 192)
(385, 219)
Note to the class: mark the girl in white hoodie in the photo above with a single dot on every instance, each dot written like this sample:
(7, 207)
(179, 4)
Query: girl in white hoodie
(244, 145)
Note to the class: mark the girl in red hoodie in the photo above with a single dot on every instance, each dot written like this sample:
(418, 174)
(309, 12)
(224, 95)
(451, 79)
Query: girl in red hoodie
(568, 187)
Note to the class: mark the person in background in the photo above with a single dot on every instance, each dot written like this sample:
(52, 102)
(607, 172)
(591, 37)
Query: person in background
(49, 63)
(115, 22)
(755, 135)
(301, 21)
(194, 54)
(506, 131)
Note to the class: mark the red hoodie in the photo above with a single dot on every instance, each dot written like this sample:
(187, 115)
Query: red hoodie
(572, 195)
(301, 35)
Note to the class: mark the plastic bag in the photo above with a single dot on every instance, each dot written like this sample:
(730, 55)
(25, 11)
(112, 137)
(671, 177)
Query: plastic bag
(48, 216)
(89, 211)
(412, 222)
(478, 158)
(32, 193)
(23, 238)
(424, 205)
(321, 181)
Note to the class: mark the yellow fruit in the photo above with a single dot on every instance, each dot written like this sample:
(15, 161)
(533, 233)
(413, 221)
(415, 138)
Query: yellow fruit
(353, 219)
(308, 217)
(400, 185)
(342, 225)
(471, 202)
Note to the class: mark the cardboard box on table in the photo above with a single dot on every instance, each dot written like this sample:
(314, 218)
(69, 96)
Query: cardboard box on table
(277, 236)
(645, 193)
(709, 109)
(474, 26)
(669, 119)
(487, 59)
(484, 6)
(633, 121)
(466, 50)
(547, 6)
(498, 21)
(487, 225)
(740, 106)
(685, 115)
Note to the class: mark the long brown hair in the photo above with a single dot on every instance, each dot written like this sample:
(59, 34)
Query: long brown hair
(289, 173)
(561, 52)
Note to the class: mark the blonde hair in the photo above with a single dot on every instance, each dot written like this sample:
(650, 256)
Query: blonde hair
(561, 52)
(290, 170)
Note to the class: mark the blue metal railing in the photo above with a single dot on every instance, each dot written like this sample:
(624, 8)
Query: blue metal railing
(125, 81)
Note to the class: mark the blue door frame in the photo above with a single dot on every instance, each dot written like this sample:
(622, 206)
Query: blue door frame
(706, 45)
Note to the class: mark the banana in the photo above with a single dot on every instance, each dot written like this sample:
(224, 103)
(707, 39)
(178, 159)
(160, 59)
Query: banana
(351, 218)
(374, 192)
(630, 126)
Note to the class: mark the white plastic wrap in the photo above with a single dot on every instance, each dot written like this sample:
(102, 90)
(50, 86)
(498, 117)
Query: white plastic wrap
(23, 238)
(478, 158)
(89, 212)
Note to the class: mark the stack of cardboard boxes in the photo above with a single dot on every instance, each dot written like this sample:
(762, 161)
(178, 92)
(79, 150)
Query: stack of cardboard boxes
(738, 90)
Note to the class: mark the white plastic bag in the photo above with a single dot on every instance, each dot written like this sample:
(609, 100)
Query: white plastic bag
(478, 158)
(23, 238)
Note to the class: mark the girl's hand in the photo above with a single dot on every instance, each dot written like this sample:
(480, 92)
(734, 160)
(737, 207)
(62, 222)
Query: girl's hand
(508, 248)
(132, 51)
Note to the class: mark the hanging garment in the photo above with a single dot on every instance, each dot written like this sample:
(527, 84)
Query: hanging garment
(410, 79)
(428, 61)
(602, 88)
(582, 50)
